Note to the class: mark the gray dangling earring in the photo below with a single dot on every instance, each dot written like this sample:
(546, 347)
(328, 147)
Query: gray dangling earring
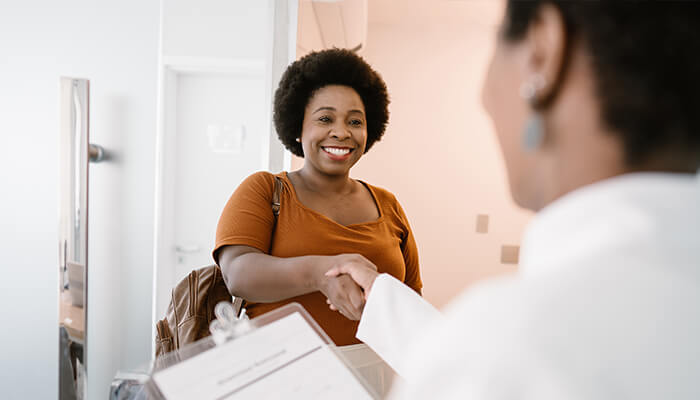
(533, 132)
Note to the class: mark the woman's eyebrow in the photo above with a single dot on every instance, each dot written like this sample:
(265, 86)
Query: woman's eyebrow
(328, 108)
(324, 108)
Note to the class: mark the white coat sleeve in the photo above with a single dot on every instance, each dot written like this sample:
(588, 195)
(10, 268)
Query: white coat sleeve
(392, 317)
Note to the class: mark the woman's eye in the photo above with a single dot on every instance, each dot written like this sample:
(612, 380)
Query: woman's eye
(325, 119)
(356, 122)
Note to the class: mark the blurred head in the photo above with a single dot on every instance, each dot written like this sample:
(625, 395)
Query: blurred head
(611, 86)
(348, 78)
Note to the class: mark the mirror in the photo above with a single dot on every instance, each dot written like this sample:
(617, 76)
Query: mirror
(72, 280)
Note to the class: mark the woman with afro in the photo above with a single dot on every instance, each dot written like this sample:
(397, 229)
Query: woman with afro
(330, 108)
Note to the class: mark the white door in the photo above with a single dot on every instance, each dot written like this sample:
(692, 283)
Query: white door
(220, 123)
(221, 61)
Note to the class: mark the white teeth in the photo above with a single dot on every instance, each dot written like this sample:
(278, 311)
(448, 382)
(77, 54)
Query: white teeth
(336, 151)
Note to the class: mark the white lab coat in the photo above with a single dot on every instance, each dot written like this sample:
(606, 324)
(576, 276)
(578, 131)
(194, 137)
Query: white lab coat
(606, 305)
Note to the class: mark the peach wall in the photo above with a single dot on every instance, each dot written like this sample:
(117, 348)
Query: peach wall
(439, 155)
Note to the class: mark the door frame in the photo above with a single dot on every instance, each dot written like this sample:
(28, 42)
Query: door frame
(282, 17)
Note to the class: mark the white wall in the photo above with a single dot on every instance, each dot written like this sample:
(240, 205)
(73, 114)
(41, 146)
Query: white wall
(115, 45)
(211, 29)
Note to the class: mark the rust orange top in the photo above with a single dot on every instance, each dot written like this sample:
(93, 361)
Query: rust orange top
(388, 242)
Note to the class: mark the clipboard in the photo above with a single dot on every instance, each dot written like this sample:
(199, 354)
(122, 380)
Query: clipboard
(281, 354)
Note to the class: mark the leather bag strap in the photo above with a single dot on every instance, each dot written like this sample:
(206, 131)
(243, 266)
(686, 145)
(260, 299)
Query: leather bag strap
(238, 302)
(276, 197)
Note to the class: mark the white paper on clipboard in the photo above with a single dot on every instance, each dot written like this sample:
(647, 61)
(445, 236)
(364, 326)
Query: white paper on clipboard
(284, 357)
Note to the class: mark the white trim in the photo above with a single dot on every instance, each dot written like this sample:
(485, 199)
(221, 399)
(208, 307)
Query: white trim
(293, 21)
(237, 66)
(160, 115)
(269, 89)
(287, 160)
(284, 15)
(292, 29)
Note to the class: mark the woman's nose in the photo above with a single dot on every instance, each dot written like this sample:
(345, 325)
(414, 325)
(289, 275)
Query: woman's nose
(339, 132)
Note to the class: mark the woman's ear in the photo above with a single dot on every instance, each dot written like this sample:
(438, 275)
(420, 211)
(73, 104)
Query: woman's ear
(547, 46)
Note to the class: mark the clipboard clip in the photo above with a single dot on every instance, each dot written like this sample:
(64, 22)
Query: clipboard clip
(227, 325)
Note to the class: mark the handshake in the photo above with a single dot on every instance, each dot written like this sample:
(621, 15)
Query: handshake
(347, 283)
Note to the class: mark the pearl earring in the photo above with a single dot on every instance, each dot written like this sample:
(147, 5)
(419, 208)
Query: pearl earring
(533, 132)
(298, 140)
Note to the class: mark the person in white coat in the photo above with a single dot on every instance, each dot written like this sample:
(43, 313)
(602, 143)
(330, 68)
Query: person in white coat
(597, 109)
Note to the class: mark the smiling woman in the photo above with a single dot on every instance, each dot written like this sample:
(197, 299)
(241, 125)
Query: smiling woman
(330, 108)
(334, 133)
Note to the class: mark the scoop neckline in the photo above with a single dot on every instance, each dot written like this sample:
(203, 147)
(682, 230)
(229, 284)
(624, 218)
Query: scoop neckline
(334, 222)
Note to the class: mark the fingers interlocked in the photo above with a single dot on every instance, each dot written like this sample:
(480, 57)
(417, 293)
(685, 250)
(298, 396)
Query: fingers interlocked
(344, 295)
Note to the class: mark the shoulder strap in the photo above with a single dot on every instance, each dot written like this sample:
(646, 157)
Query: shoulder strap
(240, 303)
(276, 196)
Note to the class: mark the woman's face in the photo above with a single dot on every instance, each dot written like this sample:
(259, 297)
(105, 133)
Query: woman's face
(334, 132)
(509, 112)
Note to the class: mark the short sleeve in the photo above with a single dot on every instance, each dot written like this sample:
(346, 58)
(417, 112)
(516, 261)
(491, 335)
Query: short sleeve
(247, 218)
(409, 249)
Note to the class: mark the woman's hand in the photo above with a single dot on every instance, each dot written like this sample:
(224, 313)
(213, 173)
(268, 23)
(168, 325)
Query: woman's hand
(361, 273)
(346, 295)
(341, 290)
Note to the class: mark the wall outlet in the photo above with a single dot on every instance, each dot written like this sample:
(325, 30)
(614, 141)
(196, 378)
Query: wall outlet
(510, 254)
(482, 223)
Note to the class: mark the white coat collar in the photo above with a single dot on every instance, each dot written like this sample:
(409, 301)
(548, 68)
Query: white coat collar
(643, 210)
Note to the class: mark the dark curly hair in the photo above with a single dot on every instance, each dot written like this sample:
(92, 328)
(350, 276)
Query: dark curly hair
(328, 67)
(646, 60)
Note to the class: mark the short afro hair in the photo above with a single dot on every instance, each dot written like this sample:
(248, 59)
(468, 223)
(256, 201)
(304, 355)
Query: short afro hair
(646, 58)
(322, 68)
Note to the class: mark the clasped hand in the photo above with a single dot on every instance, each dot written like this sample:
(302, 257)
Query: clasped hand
(346, 284)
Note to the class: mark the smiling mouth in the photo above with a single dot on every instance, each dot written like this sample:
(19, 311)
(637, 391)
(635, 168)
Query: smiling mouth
(337, 151)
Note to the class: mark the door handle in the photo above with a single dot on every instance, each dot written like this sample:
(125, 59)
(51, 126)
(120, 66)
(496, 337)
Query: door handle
(96, 153)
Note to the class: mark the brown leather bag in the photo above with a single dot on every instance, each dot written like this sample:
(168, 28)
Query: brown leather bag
(193, 299)
(191, 309)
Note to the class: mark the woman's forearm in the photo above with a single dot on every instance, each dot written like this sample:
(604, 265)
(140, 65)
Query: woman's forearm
(259, 277)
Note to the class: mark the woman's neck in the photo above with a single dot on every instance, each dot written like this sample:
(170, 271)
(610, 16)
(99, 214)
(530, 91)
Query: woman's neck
(316, 181)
